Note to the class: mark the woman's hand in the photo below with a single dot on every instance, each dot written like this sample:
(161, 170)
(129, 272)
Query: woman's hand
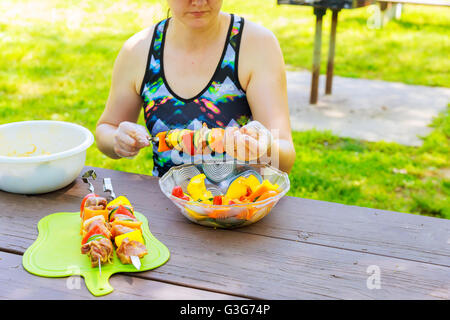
(129, 138)
(249, 142)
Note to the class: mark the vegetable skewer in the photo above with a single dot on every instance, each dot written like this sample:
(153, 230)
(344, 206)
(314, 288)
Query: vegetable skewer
(192, 142)
(249, 142)
(126, 230)
(96, 242)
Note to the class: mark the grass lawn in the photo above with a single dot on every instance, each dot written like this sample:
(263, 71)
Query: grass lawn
(56, 58)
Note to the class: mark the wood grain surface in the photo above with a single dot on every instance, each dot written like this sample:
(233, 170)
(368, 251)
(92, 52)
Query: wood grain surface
(304, 249)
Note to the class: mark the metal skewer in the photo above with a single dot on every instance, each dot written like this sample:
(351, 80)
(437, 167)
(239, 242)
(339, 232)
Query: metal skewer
(85, 177)
(107, 187)
(136, 262)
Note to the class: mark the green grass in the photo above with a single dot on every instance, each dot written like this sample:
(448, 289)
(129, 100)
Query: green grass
(378, 175)
(56, 59)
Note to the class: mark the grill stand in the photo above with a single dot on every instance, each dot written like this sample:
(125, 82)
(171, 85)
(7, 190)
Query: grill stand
(319, 13)
(330, 65)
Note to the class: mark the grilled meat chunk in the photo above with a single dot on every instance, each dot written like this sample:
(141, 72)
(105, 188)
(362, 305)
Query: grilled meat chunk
(130, 248)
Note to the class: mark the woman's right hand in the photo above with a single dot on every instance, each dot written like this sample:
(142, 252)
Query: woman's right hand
(248, 143)
(129, 138)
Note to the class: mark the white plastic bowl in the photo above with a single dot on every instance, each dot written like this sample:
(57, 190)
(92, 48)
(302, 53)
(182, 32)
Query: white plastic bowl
(41, 156)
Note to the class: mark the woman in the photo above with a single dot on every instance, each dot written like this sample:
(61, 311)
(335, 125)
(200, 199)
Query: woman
(199, 66)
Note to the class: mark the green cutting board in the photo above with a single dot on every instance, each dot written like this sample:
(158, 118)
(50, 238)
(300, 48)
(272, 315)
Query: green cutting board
(57, 253)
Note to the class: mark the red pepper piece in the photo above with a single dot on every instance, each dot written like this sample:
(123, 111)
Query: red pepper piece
(95, 230)
(177, 192)
(121, 210)
(188, 143)
(84, 201)
(217, 200)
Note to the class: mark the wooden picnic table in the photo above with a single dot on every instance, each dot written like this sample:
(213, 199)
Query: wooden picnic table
(304, 249)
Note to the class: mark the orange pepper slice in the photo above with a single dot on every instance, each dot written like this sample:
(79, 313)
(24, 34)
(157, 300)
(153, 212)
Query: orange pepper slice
(219, 213)
(267, 194)
(89, 213)
(258, 192)
(130, 224)
(162, 146)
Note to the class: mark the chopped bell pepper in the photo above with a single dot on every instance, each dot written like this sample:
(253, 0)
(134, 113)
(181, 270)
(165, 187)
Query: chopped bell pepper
(215, 140)
(195, 215)
(84, 201)
(197, 189)
(217, 200)
(252, 182)
(133, 235)
(162, 145)
(262, 188)
(94, 231)
(221, 213)
(246, 213)
(127, 223)
(258, 192)
(177, 191)
(271, 186)
(237, 188)
(117, 201)
(121, 209)
(266, 195)
(188, 143)
(89, 213)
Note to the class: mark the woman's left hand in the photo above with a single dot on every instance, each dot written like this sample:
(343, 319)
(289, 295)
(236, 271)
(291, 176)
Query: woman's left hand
(248, 143)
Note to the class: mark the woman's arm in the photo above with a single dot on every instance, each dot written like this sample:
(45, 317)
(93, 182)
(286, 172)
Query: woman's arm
(261, 58)
(117, 133)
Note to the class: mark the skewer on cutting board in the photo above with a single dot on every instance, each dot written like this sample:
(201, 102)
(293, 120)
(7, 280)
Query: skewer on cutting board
(107, 187)
(85, 177)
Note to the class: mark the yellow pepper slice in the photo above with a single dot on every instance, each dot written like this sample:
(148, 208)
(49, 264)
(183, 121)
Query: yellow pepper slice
(195, 215)
(252, 182)
(133, 235)
(197, 189)
(270, 186)
(237, 188)
(121, 200)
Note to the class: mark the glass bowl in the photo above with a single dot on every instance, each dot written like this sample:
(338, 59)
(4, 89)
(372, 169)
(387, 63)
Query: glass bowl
(219, 176)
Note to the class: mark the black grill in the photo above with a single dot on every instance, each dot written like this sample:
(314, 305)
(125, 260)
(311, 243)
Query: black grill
(328, 4)
(320, 8)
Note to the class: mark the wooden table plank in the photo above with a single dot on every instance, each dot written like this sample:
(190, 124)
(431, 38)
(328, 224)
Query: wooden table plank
(382, 232)
(266, 268)
(235, 262)
(16, 283)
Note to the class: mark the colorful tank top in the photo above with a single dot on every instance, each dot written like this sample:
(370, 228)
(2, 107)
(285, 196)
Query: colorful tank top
(221, 103)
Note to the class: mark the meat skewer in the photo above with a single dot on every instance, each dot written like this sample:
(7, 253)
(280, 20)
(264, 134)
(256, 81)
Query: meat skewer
(126, 230)
(102, 225)
(96, 236)
(97, 246)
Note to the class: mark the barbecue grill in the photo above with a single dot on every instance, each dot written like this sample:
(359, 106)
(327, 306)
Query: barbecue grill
(320, 8)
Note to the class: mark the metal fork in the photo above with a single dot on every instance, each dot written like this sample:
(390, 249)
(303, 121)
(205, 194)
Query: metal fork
(85, 177)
